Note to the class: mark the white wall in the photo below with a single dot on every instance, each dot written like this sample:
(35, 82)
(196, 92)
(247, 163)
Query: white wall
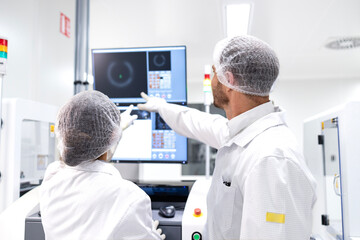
(143, 23)
(40, 58)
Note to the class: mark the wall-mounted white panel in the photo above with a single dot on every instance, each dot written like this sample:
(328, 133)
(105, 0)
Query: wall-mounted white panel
(40, 58)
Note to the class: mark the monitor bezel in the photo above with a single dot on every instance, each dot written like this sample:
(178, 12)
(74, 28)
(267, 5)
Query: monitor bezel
(123, 49)
(94, 50)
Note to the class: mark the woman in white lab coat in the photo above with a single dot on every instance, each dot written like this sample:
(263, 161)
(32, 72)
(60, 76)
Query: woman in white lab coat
(83, 196)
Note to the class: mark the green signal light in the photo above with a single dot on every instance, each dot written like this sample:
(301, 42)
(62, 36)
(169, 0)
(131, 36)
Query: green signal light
(196, 236)
(120, 76)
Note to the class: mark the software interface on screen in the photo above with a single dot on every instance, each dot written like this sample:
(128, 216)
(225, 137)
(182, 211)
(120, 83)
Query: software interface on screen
(122, 74)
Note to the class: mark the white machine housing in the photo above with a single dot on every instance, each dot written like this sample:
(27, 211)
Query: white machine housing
(347, 117)
(197, 199)
(15, 111)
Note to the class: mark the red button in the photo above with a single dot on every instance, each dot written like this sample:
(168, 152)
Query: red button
(197, 211)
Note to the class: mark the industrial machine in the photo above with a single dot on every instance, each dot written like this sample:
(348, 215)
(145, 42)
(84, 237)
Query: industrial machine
(195, 213)
(179, 206)
(27, 146)
(332, 154)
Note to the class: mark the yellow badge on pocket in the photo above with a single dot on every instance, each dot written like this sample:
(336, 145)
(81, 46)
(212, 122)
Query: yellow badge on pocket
(275, 217)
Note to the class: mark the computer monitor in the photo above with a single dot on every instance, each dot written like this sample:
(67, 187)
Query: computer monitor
(123, 73)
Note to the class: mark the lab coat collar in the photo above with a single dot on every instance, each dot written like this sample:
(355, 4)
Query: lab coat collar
(97, 166)
(242, 121)
(259, 125)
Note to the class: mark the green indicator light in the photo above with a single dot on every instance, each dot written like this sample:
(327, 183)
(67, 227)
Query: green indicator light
(196, 236)
(120, 76)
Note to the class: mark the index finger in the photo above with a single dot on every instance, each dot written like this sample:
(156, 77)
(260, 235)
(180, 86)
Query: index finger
(144, 96)
(129, 109)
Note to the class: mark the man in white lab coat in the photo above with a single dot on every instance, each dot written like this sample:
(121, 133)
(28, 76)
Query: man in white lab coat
(261, 187)
(83, 196)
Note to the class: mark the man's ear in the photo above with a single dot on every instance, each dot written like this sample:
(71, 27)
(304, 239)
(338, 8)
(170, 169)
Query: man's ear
(230, 78)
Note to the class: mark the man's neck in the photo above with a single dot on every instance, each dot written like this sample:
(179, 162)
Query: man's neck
(240, 103)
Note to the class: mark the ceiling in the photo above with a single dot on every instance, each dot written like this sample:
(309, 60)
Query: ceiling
(297, 30)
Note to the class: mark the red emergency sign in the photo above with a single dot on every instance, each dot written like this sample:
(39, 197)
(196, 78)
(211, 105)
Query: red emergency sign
(65, 25)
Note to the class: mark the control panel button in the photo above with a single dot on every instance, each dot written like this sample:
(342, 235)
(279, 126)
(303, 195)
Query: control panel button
(196, 236)
(197, 212)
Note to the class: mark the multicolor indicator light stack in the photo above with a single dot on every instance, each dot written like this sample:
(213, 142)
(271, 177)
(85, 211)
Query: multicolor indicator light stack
(207, 81)
(207, 86)
(3, 55)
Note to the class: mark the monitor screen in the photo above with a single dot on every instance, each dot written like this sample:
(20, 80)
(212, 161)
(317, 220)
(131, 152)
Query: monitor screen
(125, 72)
(122, 74)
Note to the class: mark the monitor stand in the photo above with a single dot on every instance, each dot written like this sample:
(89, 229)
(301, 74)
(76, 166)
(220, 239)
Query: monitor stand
(159, 172)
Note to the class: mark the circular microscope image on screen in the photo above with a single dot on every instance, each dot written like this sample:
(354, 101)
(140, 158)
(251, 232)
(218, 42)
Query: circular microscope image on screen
(121, 75)
(159, 61)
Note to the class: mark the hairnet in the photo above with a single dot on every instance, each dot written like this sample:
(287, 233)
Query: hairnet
(87, 126)
(252, 62)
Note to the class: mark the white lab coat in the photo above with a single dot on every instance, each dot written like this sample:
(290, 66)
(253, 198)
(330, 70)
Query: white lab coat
(92, 201)
(259, 173)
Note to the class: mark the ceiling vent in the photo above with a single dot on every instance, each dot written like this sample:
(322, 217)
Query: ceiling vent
(343, 43)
